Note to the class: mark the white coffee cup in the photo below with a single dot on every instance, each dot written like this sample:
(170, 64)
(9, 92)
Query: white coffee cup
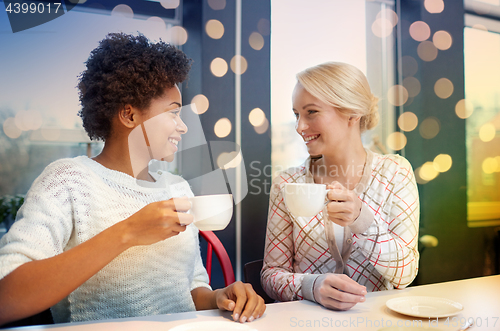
(212, 212)
(304, 199)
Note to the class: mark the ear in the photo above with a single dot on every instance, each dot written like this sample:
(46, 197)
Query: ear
(354, 120)
(128, 116)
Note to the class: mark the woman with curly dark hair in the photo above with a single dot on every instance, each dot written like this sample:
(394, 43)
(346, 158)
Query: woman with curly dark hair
(93, 241)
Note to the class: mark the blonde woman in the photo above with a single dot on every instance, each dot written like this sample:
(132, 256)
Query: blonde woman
(366, 237)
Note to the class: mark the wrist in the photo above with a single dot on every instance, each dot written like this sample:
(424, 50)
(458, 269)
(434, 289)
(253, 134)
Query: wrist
(123, 235)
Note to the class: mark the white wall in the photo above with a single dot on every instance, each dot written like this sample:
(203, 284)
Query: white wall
(306, 33)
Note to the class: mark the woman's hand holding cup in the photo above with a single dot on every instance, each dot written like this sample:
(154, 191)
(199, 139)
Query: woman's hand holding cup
(344, 205)
(156, 222)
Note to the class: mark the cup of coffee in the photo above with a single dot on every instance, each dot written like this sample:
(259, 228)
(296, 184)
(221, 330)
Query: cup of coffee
(212, 212)
(304, 199)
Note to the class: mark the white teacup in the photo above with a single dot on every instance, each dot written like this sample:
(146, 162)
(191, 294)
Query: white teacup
(305, 199)
(212, 212)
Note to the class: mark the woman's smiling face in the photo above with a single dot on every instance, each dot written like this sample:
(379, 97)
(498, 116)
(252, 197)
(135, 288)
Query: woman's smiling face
(322, 127)
(163, 124)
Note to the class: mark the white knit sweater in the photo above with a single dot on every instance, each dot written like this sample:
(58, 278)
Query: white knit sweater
(75, 199)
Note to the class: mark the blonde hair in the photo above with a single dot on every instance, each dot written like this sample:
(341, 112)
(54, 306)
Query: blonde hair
(344, 87)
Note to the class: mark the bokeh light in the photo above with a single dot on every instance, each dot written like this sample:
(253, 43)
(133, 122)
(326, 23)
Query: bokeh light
(396, 141)
(429, 128)
(464, 108)
(427, 51)
(408, 121)
(419, 179)
(178, 35)
(434, 6)
(243, 65)
(420, 31)
(390, 15)
(443, 88)
(122, 10)
(256, 117)
(256, 41)
(490, 165)
(263, 127)
(36, 119)
(201, 103)
(28, 120)
(218, 67)
(442, 162)
(264, 27)
(50, 133)
(10, 128)
(170, 4)
(442, 40)
(412, 85)
(229, 160)
(487, 132)
(382, 27)
(158, 22)
(409, 65)
(23, 120)
(217, 4)
(428, 172)
(222, 128)
(397, 95)
(480, 27)
(214, 29)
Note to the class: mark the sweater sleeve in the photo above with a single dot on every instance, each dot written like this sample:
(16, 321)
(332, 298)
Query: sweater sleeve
(43, 224)
(200, 278)
(390, 243)
(277, 277)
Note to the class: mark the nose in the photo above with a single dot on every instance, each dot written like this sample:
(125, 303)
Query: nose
(181, 126)
(301, 125)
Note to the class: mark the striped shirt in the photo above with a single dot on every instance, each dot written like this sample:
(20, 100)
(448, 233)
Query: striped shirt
(379, 249)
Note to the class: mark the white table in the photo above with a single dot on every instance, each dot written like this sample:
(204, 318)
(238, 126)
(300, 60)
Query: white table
(479, 296)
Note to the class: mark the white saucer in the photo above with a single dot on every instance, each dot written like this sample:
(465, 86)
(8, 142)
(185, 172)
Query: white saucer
(428, 307)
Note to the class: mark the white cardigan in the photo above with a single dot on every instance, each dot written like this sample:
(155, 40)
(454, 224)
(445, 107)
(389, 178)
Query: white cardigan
(74, 200)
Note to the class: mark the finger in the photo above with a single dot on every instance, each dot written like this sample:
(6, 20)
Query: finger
(181, 204)
(228, 304)
(259, 309)
(340, 296)
(250, 305)
(337, 305)
(241, 298)
(337, 207)
(335, 195)
(346, 284)
(185, 219)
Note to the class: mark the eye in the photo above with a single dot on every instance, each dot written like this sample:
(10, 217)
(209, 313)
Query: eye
(175, 112)
(311, 111)
(296, 114)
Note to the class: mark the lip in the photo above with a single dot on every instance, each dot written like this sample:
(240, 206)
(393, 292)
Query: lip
(172, 144)
(310, 136)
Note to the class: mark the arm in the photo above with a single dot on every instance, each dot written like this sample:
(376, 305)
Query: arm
(37, 285)
(278, 277)
(390, 241)
(333, 291)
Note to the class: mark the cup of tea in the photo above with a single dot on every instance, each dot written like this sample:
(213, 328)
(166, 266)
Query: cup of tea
(304, 199)
(212, 212)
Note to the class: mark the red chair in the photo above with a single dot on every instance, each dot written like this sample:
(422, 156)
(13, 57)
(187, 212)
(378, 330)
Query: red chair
(214, 244)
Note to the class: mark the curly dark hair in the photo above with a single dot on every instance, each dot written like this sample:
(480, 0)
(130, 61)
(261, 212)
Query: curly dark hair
(126, 69)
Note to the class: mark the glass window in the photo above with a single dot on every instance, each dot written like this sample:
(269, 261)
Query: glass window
(482, 112)
(39, 100)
